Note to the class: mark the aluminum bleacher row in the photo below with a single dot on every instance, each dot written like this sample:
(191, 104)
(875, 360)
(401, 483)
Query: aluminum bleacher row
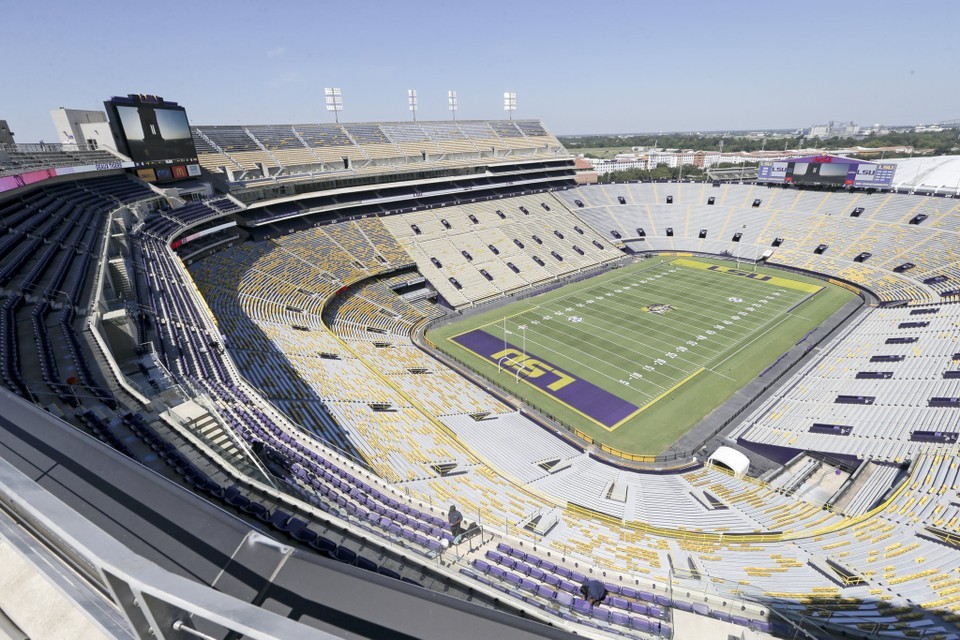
(284, 151)
(21, 158)
(884, 429)
(484, 250)
(799, 222)
(309, 322)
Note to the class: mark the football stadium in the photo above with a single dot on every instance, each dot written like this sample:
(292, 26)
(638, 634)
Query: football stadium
(418, 379)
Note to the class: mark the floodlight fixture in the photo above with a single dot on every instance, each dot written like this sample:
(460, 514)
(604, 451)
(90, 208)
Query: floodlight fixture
(510, 102)
(452, 103)
(412, 101)
(334, 101)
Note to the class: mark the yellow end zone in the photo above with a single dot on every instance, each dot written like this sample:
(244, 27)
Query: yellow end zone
(756, 277)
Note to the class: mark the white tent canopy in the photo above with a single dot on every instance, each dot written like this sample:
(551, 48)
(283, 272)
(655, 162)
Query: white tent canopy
(730, 458)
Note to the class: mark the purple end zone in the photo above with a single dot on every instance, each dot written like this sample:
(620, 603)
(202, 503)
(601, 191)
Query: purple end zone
(589, 399)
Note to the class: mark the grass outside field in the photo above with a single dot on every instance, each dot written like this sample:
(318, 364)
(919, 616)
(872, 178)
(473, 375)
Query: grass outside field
(719, 332)
(601, 152)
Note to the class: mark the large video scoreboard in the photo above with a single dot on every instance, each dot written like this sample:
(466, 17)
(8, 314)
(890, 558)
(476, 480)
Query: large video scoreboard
(827, 171)
(155, 134)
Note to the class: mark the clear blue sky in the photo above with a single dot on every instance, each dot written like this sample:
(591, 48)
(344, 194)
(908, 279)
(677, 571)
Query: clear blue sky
(582, 67)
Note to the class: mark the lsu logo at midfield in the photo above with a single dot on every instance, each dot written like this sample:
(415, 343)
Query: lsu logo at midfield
(659, 309)
(529, 367)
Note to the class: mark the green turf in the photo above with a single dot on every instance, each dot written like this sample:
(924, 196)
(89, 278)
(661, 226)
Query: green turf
(598, 331)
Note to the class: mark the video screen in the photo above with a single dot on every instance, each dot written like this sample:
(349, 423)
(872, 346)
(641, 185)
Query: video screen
(818, 173)
(156, 135)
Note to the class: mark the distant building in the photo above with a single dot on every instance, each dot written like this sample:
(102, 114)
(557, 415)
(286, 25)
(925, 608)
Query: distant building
(834, 130)
(6, 136)
(585, 171)
(673, 158)
(87, 129)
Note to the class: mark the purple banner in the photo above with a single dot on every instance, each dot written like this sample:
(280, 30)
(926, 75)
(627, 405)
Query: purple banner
(582, 396)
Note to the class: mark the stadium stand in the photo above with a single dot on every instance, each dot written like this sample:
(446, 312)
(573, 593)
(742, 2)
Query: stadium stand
(511, 236)
(324, 421)
(21, 158)
(287, 151)
(802, 220)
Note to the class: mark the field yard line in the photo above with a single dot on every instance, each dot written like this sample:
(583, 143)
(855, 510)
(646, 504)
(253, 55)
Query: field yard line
(696, 290)
(564, 297)
(618, 302)
(623, 300)
(721, 375)
(678, 319)
(743, 327)
(657, 399)
(597, 371)
(744, 346)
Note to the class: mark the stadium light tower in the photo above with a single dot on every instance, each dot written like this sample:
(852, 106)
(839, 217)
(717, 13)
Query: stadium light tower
(412, 101)
(334, 100)
(510, 102)
(452, 103)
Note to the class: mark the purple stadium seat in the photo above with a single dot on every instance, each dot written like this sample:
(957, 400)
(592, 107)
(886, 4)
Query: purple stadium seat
(323, 544)
(497, 572)
(569, 587)
(565, 599)
(618, 617)
(629, 592)
(536, 574)
(640, 624)
(601, 613)
(582, 606)
(390, 573)
(619, 603)
(646, 596)
(522, 567)
(512, 578)
(545, 592)
(305, 535)
(344, 555)
(481, 565)
(552, 580)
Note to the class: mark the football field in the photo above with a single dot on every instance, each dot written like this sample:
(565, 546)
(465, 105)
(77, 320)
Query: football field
(635, 357)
